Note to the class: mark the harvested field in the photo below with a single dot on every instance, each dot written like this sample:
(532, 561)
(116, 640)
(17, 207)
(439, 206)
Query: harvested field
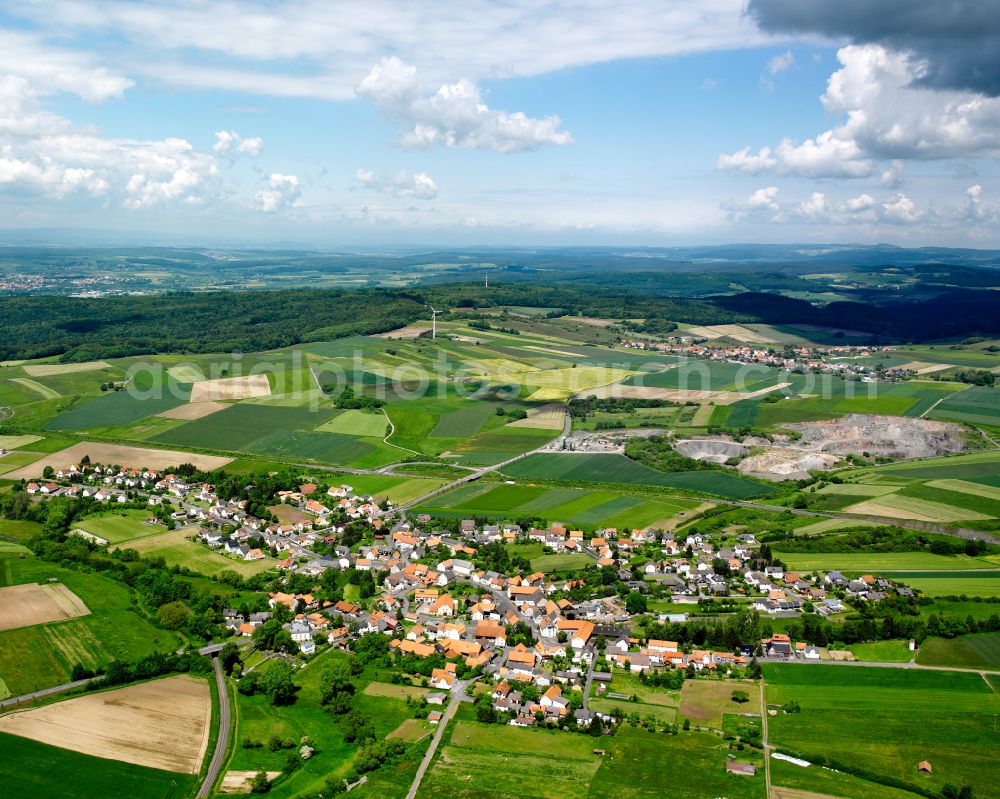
(544, 417)
(194, 410)
(135, 457)
(231, 388)
(889, 436)
(160, 724)
(411, 730)
(592, 321)
(286, 514)
(394, 691)
(239, 781)
(30, 604)
(47, 369)
(649, 392)
(410, 331)
(566, 353)
(922, 368)
(33, 385)
(898, 507)
(186, 373)
(13, 442)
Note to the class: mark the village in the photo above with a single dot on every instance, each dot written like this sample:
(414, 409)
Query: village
(545, 644)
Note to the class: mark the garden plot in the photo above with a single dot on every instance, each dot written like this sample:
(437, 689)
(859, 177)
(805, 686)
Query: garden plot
(231, 388)
(30, 604)
(161, 724)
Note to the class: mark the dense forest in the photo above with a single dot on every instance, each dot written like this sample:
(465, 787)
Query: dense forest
(78, 329)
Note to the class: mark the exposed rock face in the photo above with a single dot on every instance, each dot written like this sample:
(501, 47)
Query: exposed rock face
(787, 463)
(711, 450)
(888, 436)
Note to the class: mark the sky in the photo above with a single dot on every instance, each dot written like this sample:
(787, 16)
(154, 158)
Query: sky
(578, 122)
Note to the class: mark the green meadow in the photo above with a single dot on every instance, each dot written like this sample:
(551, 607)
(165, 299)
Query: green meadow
(885, 721)
(603, 468)
(33, 770)
(44, 655)
(578, 507)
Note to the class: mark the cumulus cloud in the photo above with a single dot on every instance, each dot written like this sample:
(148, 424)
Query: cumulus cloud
(975, 213)
(230, 144)
(42, 154)
(885, 116)
(283, 192)
(454, 116)
(956, 42)
(781, 62)
(418, 185)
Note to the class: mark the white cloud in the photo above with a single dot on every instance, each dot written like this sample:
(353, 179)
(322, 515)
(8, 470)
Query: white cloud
(781, 62)
(42, 154)
(893, 175)
(900, 209)
(454, 116)
(418, 185)
(231, 144)
(240, 44)
(884, 116)
(283, 192)
(975, 215)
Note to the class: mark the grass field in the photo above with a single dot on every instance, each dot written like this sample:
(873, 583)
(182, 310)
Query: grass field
(397, 489)
(30, 769)
(596, 468)
(978, 651)
(953, 583)
(556, 563)
(284, 432)
(476, 760)
(507, 762)
(259, 720)
(357, 423)
(658, 702)
(888, 720)
(705, 702)
(883, 652)
(121, 526)
(976, 404)
(42, 656)
(18, 530)
(175, 547)
(575, 506)
(882, 561)
(815, 781)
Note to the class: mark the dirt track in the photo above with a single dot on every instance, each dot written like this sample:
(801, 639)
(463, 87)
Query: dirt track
(29, 604)
(161, 724)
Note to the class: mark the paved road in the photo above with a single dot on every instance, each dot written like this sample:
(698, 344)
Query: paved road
(55, 689)
(222, 741)
(457, 697)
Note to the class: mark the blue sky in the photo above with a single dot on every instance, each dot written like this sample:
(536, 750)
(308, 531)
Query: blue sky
(576, 122)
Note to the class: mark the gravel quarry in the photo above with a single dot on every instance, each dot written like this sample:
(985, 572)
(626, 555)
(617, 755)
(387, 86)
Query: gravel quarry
(711, 450)
(885, 436)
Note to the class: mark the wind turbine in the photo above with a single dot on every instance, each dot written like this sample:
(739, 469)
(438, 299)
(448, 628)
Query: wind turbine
(434, 321)
(487, 279)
